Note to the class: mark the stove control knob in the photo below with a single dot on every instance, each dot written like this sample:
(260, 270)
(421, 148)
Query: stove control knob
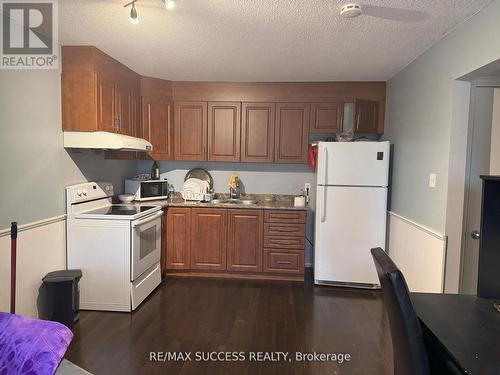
(79, 193)
(84, 192)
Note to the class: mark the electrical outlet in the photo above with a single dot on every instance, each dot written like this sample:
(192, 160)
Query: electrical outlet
(307, 188)
(432, 180)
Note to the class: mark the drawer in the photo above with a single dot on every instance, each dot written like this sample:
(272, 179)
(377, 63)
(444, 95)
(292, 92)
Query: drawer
(284, 216)
(296, 243)
(284, 262)
(283, 229)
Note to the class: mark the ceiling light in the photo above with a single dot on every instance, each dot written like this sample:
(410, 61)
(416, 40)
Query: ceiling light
(351, 10)
(169, 4)
(134, 19)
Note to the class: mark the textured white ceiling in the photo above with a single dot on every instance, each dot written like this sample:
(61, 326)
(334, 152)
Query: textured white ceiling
(263, 40)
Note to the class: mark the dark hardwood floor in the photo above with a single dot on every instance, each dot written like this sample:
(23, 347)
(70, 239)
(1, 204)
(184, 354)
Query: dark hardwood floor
(191, 315)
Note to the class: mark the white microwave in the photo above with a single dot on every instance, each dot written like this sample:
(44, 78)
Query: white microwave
(146, 190)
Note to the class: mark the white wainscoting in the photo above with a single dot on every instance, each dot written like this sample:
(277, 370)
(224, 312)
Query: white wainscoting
(41, 248)
(419, 252)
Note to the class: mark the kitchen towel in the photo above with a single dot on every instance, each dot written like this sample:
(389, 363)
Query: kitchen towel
(312, 154)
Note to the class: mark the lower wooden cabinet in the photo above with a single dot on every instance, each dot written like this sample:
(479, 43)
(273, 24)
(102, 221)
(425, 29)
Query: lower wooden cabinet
(244, 245)
(289, 262)
(178, 238)
(235, 242)
(208, 239)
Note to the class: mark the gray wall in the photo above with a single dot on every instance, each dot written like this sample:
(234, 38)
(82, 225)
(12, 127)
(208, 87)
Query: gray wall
(34, 166)
(256, 178)
(419, 115)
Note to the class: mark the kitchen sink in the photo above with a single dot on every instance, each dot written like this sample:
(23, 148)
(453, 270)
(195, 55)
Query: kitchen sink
(234, 201)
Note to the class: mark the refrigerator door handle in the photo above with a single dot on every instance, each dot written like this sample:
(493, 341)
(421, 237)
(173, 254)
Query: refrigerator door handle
(325, 167)
(323, 206)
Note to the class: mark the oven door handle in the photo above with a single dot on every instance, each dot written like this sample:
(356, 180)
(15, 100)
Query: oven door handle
(147, 220)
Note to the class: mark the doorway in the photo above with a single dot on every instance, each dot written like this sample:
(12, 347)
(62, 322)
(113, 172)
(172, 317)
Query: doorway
(483, 158)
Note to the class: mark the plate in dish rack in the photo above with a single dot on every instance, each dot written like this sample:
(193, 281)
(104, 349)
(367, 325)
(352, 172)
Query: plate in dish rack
(201, 174)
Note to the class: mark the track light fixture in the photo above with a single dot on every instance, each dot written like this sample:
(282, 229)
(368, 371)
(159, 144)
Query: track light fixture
(169, 4)
(134, 18)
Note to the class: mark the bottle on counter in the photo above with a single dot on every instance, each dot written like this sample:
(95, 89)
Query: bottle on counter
(155, 171)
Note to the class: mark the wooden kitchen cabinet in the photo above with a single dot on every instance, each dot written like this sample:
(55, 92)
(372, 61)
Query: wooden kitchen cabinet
(292, 132)
(326, 118)
(365, 116)
(257, 132)
(107, 119)
(284, 242)
(224, 127)
(178, 238)
(208, 238)
(190, 131)
(244, 238)
(96, 91)
(157, 125)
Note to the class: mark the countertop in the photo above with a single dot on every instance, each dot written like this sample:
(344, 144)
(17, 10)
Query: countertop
(279, 202)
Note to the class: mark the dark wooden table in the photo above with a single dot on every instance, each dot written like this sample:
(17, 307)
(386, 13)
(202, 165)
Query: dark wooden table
(462, 333)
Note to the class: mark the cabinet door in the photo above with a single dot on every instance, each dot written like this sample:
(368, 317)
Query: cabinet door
(292, 127)
(157, 125)
(257, 128)
(326, 118)
(366, 116)
(244, 249)
(124, 111)
(224, 125)
(190, 130)
(208, 239)
(106, 110)
(136, 116)
(178, 238)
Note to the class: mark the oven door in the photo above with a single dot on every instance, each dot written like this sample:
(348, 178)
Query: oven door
(146, 244)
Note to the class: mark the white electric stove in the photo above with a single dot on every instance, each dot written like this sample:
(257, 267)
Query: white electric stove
(117, 247)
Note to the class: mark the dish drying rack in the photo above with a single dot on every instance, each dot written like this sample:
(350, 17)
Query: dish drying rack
(198, 186)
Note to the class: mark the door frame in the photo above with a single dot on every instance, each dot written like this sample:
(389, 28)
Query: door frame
(483, 82)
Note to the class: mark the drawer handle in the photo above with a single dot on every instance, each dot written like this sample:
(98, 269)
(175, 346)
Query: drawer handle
(285, 217)
(281, 229)
(283, 262)
(283, 241)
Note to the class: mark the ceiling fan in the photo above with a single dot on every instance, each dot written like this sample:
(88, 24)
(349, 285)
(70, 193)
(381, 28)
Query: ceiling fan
(394, 14)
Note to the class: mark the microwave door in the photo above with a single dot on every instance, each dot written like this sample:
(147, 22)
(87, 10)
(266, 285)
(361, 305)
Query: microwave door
(154, 190)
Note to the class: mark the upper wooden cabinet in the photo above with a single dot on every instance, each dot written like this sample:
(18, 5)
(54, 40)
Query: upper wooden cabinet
(292, 130)
(208, 238)
(96, 91)
(157, 125)
(190, 131)
(365, 116)
(224, 126)
(326, 117)
(257, 132)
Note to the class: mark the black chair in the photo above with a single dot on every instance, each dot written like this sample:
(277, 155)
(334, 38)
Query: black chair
(410, 356)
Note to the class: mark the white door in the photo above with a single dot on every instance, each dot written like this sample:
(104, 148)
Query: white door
(353, 163)
(349, 222)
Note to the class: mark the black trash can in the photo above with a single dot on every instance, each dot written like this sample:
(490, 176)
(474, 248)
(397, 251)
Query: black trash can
(59, 298)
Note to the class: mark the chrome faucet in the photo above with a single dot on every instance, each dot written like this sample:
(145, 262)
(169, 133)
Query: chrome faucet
(235, 193)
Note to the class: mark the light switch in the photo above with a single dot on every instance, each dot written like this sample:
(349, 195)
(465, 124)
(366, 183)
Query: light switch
(432, 180)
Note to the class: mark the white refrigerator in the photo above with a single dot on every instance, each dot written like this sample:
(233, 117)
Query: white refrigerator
(351, 211)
